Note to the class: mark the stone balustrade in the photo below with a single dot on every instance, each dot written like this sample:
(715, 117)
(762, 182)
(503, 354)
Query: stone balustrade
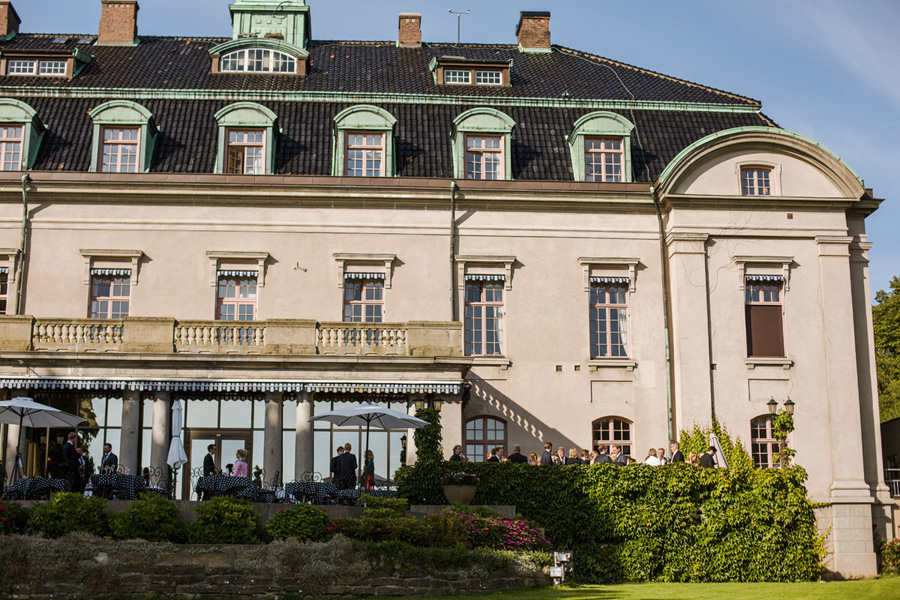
(273, 336)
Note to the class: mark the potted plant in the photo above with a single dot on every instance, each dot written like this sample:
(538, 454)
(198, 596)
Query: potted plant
(459, 487)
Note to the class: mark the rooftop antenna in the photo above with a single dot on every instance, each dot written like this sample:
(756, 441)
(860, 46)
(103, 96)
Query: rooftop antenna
(459, 15)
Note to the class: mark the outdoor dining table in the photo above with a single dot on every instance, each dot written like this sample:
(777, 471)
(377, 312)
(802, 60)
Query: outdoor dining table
(35, 488)
(118, 486)
(224, 485)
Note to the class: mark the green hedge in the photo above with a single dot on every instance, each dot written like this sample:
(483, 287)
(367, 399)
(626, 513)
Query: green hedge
(642, 523)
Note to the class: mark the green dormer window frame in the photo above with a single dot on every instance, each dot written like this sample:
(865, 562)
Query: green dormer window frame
(600, 124)
(124, 114)
(17, 113)
(246, 116)
(271, 48)
(482, 122)
(363, 118)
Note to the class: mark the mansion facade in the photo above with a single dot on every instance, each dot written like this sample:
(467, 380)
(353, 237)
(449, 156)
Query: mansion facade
(549, 245)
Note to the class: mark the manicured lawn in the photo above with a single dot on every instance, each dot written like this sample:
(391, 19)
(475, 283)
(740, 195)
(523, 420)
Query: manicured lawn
(869, 589)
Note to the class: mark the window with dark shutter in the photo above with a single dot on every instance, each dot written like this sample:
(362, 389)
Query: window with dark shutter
(763, 310)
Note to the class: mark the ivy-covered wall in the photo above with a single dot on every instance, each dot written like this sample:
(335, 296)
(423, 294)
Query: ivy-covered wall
(643, 523)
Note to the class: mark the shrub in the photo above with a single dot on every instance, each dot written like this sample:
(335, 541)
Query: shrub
(13, 518)
(68, 512)
(447, 529)
(384, 507)
(890, 556)
(498, 533)
(459, 479)
(407, 529)
(302, 521)
(225, 520)
(672, 523)
(151, 517)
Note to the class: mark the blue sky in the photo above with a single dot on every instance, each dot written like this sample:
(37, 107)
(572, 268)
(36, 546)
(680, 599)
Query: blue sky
(824, 68)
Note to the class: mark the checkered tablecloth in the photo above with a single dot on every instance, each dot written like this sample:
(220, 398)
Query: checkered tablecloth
(118, 486)
(223, 485)
(316, 492)
(35, 488)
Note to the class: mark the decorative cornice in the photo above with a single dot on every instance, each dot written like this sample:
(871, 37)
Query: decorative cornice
(364, 97)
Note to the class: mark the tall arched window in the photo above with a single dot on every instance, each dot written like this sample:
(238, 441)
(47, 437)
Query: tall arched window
(613, 430)
(763, 445)
(482, 434)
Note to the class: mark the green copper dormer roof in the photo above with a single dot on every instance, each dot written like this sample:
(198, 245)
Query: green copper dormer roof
(285, 20)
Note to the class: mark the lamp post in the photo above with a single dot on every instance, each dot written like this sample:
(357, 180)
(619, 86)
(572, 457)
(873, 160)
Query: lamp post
(782, 426)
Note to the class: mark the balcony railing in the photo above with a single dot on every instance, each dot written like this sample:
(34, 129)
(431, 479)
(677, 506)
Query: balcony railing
(892, 479)
(274, 336)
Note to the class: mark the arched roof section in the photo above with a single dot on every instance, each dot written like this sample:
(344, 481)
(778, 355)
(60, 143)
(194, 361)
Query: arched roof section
(364, 116)
(484, 119)
(245, 114)
(772, 140)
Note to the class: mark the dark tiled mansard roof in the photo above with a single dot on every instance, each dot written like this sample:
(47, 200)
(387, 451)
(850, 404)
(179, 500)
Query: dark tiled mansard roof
(306, 106)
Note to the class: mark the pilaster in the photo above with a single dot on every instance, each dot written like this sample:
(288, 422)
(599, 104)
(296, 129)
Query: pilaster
(274, 440)
(131, 432)
(304, 453)
(161, 434)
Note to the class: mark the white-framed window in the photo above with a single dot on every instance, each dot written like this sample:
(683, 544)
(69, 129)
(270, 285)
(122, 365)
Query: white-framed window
(363, 297)
(11, 147)
(763, 445)
(458, 76)
(609, 317)
(756, 181)
(613, 431)
(763, 295)
(119, 153)
(52, 67)
(236, 297)
(258, 60)
(4, 290)
(365, 154)
(484, 315)
(110, 293)
(21, 67)
(484, 157)
(488, 78)
(603, 159)
(246, 151)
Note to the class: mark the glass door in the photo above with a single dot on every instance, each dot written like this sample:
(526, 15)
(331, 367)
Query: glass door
(197, 442)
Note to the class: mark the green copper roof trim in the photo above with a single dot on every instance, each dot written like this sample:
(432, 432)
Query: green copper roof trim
(736, 130)
(366, 97)
(265, 43)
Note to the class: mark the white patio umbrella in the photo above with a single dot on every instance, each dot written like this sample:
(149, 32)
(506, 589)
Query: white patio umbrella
(371, 414)
(177, 456)
(721, 461)
(25, 412)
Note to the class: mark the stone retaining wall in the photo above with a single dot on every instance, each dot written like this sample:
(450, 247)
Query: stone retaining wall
(85, 567)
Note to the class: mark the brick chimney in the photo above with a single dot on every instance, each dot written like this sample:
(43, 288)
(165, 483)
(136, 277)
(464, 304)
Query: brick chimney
(9, 19)
(533, 31)
(118, 23)
(410, 30)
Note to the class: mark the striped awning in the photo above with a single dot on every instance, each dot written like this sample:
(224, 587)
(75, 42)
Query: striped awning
(345, 387)
(378, 387)
(610, 279)
(122, 272)
(363, 275)
(765, 278)
(485, 277)
(238, 273)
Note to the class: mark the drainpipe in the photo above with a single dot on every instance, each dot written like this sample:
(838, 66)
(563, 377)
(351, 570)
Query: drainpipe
(453, 300)
(665, 292)
(709, 333)
(26, 179)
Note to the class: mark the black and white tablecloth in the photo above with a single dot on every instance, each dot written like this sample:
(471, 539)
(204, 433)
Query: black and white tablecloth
(316, 492)
(35, 488)
(117, 486)
(223, 485)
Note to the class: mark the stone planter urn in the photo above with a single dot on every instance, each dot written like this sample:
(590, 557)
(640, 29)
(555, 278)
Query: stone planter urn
(461, 494)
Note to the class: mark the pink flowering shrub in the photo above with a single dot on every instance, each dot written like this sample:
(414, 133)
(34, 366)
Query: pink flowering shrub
(890, 556)
(13, 519)
(499, 533)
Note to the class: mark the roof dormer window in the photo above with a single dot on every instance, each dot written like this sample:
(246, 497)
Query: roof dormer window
(256, 60)
(456, 70)
(55, 63)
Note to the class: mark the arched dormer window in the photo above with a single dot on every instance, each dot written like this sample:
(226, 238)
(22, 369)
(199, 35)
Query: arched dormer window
(600, 144)
(266, 56)
(481, 144)
(246, 142)
(21, 132)
(363, 142)
(124, 137)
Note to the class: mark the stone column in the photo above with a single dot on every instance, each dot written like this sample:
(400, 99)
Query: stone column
(12, 438)
(131, 432)
(690, 333)
(274, 445)
(451, 425)
(162, 432)
(304, 452)
(851, 497)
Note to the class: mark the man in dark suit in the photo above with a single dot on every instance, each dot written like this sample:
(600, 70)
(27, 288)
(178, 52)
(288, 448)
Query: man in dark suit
(347, 466)
(209, 467)
(517, 456)
(335, 467)
(677, 456)
(706, 459)
(547, 456)
(602, 455)
(620, 459)
(495, 456)
(457, 454)
(73, 464)
(110, 462)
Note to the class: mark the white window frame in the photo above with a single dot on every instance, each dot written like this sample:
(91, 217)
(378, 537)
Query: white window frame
(457, 76)
(5, 142)
(488, 77)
